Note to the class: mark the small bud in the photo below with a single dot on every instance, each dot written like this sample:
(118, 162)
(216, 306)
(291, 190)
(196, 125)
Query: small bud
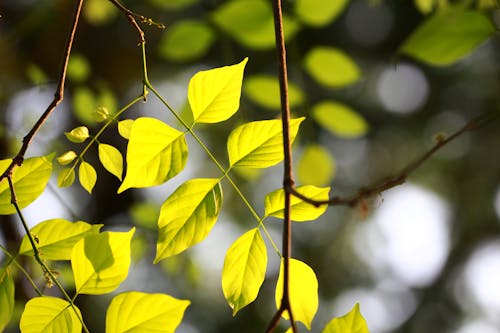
(66, 158)
(101, 114)
(78, 135)
(440, 137)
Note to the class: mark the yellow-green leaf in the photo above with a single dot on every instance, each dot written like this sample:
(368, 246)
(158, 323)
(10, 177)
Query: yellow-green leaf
(87, 176)
(125, 128)
(448, 36)
(66, 177)
(318, 13)
(244, 270)
(352, 322)
(56, 238)
(300, 210)
(156, 152)
(186, 40)
(78, 134)
(140, 312)
(259, 144)
(78, 67)
(339, 119)
(214, 95)
(331, 67)
(100, 262)
(316, 166)
(303, 290)
(111, 159)
(187, 216)
(98, 12)
(66, 158)
(250, 23)
(50, 315)
(101, 114)
(7, 299)
(264, 90)
(29, 182)
(425, 6)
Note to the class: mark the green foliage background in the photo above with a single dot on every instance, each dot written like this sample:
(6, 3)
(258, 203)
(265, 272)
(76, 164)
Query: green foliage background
(106, 70)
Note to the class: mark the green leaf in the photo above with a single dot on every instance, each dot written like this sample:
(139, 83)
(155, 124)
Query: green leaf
(250, 23)
(339, 119)
(264, 90)
(186, 40)
(316, 166)
(66, 158)
(50, 315)
(100, 262)
(140, 312)
(156, 152)
(448, 36)
(56, 238)
(98, 12)
(244, 270)
(300, 211)
(425, 6)
(259, 144)
(78, 134)
(303, 289)
(111, 159)
(331, 67)
(66, 177)
(87, 176)
(29, 182)
(352, 322)
(7, 299)
(318, 13)
(125, 128)
(78, 67)
(187, 216)
(214, 95)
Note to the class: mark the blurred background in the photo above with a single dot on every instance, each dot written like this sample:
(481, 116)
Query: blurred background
(422, 257)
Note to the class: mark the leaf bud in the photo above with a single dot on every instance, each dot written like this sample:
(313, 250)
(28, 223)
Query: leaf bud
(66, 158)
(101, 114)
(78, 134)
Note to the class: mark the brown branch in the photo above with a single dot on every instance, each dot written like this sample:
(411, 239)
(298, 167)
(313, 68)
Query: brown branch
(400, 178)
(58, 98)
(288, 181)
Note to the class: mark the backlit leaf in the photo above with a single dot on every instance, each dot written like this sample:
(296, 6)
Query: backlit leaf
(259, 144)
(66, 158)
(339, 119)
(250, 23)
(140, 312)
(66, 177)
(125, 128)
(447, 36)
(7, 299)
(56, 238)
(78, 67)
(264, 90)
(318, 13)
(100, 262)
(156, 152)
(316, 166)
(187, 216)
(244, 270)
(29, 182)
(303, 290)
(78, 134)
(331, 67)
(425, 6)
(99, 12)
(352, 322)
(300, 211)
(186, 40)
(50, 315)
(111, 159)
(87, 176)
(214, 95)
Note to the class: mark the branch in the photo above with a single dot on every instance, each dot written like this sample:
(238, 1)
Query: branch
(400, 178)
(58, 98)
(288, 181)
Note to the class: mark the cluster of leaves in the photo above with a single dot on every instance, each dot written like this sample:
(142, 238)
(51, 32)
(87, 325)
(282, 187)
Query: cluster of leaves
(156, 152)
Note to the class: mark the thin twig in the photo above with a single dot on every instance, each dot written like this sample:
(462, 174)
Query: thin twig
(400, 178)
(288, 181)
(58, 97)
